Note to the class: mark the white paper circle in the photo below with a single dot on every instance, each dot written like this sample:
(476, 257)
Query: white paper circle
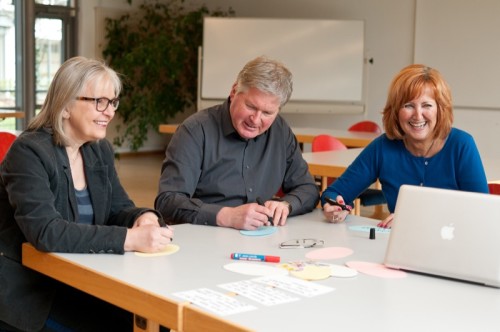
(168, 250)
(341, 271)
(312, 272)
(255, 269)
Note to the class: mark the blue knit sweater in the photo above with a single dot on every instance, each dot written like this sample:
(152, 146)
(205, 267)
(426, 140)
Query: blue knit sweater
(457, 166)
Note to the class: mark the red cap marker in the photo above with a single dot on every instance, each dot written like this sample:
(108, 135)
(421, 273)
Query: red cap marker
(258, 258)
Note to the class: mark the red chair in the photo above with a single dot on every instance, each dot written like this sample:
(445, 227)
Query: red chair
(6, 140)
(494, 188)
(368, 126)
(322, 143)
(326, 143)
(371, 196)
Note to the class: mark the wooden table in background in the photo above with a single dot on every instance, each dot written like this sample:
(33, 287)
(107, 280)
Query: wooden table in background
(330, 163)
(5, 114)
(351, 139)
(167, 128)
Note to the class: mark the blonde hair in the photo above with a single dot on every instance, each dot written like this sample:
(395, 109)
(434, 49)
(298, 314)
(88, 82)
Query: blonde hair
(70, 80)
(409, 84)
(266, 75)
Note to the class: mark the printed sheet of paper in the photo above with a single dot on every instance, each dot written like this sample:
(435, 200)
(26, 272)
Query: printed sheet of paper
(258, 292)
(216, 302)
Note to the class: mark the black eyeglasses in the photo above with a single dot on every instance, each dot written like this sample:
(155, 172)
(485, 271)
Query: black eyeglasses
(301, 243)
(102, 103)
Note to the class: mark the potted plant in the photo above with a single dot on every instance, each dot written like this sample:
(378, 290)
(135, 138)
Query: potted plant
(156, 50)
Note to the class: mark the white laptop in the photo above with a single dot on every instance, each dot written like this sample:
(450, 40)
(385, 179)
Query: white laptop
(448, 233)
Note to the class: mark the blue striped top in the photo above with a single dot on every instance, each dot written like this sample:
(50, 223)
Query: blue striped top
(85, 209)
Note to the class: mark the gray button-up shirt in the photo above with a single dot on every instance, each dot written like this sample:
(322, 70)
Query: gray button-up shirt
(209, 166)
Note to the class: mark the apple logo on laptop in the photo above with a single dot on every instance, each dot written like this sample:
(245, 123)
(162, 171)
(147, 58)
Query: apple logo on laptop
(447, 232)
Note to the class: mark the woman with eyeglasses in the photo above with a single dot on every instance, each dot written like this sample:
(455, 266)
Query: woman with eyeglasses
(60, 192)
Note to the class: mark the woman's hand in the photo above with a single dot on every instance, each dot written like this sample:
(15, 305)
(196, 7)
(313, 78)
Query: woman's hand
(147, 235)
(387, 222)
(334, 213)
(147, 218)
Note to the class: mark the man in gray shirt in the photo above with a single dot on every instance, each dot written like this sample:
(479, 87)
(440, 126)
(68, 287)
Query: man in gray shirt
(222, 160)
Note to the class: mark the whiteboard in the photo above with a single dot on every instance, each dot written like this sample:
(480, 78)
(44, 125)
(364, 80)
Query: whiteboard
(325, 56)
(461, 39)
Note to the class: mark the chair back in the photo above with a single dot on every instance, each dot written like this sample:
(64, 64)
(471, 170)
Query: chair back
(326, 143)
(6, 140)
(494, 188)
(367, 126)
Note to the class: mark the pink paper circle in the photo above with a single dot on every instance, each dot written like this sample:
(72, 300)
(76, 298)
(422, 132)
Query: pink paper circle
(329, 253)
(376, 270)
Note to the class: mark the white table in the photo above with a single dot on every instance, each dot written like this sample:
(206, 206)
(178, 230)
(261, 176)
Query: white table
(330, 163)
(414, 303)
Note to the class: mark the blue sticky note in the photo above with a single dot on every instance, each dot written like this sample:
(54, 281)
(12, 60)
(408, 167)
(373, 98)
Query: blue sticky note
(363, 228)
(261, 231)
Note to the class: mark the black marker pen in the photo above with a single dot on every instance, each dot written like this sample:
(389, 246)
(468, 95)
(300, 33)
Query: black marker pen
(260, 202)
(334, 202)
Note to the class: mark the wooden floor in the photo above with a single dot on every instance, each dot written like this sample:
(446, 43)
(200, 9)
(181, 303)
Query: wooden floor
(140, 174)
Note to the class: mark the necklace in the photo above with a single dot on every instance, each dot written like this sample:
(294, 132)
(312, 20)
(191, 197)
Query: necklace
(426, 154)
(73, 159)
(429, 149)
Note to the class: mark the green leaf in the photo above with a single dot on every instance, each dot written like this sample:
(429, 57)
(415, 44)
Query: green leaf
(155, 49)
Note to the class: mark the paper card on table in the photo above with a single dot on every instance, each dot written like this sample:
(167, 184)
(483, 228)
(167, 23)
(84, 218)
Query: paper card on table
(308, 270)
(312, 272)
(366, 228)
(341, 271)
(258, 292)
(255, 269)
(333, 270)
(216, 302)
(261, 231)
(376, 270)
(329, 253)
(295, 285)
(168, 250)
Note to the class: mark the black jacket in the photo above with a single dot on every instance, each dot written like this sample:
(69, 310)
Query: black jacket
(38, 205)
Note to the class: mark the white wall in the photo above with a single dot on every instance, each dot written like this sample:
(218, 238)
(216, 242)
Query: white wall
(90, 43)
(389, 40)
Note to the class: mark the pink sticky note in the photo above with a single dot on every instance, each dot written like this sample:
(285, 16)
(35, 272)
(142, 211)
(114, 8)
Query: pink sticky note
(376, 270)
(329, 253)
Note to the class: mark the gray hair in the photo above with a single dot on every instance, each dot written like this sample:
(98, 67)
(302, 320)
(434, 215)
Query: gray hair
(266, 75)
(70, 80)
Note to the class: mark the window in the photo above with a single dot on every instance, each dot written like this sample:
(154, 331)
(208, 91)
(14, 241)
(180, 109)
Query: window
(40, 51)
(7, 56)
